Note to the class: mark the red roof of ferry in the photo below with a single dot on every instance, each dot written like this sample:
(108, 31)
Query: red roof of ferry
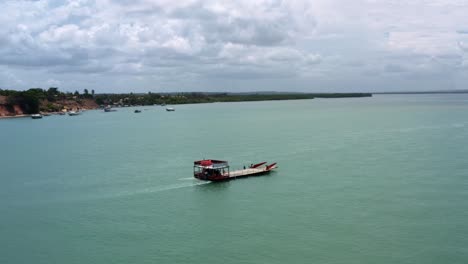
(209, 162)
(206, 163)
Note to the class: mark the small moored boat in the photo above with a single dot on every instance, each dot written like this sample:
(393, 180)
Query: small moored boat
(36, 116)
(137, 111)
(170, 109)
(109, 109)
(74, 113)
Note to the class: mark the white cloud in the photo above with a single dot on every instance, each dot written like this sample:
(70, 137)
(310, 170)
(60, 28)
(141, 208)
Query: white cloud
(53, 83)
(328, 42)
(430, 43)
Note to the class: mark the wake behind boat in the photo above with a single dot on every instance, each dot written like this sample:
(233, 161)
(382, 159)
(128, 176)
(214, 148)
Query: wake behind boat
(218, 170)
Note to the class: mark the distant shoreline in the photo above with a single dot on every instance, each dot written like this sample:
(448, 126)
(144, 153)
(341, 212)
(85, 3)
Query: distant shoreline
(427, 92)
(25, 103)
(98, 101)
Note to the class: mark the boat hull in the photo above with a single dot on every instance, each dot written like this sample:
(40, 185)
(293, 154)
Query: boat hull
(229, 178)
(236, 174)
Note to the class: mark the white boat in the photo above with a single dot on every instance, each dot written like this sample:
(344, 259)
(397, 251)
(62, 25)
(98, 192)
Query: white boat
(109, 109)
(36, 116)
(170, 109)
(74, 113)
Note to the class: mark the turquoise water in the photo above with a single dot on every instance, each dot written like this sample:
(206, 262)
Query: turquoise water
(364, 180)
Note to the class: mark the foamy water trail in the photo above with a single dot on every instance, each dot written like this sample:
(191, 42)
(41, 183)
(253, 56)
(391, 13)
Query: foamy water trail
(187, 179)
(157, 189)
(92, 197)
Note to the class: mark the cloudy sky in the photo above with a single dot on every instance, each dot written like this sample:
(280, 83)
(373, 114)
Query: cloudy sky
(241, 45)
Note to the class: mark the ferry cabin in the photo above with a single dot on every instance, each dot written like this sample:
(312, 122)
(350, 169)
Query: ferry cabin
(211, 169)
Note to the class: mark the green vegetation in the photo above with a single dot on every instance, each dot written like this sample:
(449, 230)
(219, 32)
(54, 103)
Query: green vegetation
(190, 98)
(28, 100)
(198, 97)
(52, 100)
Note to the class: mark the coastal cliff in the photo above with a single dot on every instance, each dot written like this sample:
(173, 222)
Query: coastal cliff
(21, 104)
(9, 110)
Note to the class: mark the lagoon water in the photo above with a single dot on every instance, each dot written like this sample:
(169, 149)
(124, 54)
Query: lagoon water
(363, 180)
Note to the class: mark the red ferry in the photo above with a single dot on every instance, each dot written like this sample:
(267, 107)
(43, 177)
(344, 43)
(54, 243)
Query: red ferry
(218, 170)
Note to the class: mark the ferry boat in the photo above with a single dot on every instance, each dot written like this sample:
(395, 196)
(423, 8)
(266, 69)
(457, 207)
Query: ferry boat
(218, 170)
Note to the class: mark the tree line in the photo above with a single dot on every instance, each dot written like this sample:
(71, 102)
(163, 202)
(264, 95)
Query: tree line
(30, 100)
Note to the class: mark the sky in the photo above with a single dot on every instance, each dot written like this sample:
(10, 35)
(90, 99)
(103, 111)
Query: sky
(234, 46)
